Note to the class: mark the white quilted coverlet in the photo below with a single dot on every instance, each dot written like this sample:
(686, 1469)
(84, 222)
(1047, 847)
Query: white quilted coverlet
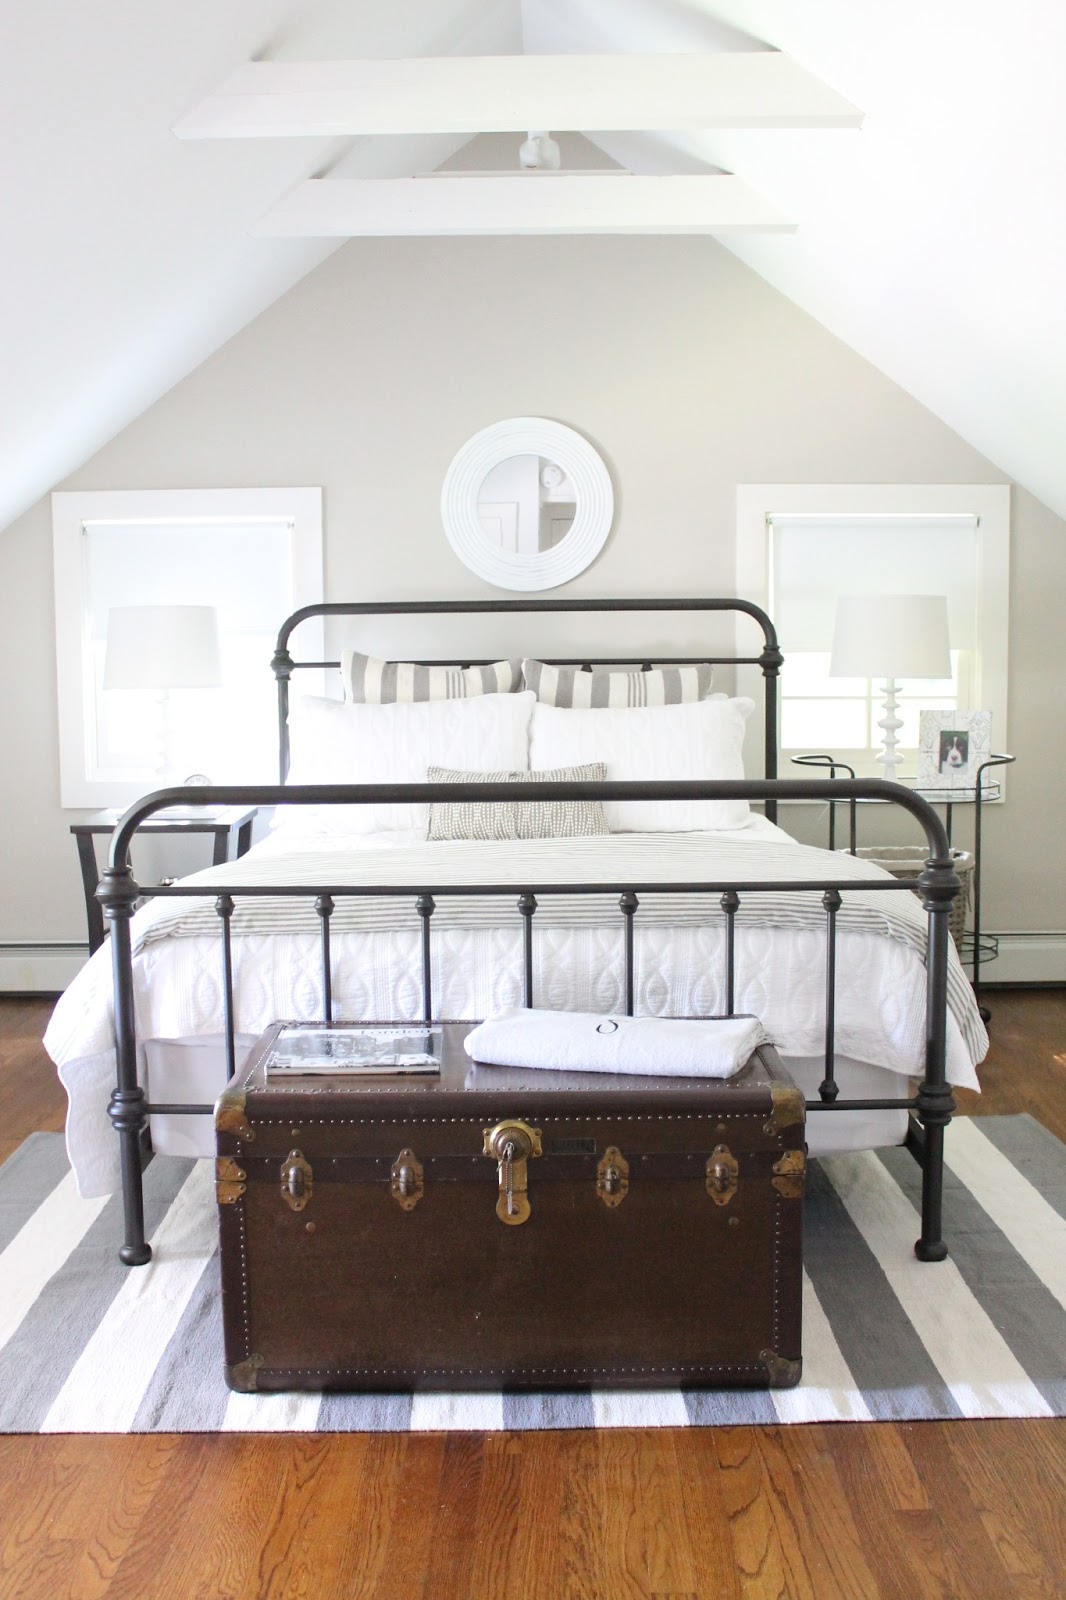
(478, 970)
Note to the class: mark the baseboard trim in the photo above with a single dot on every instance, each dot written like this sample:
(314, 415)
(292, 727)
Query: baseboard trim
(1026, 958)
(40, 968)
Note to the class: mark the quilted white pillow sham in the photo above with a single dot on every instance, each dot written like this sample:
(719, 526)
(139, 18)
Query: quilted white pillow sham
(333, 742)
(701, 739)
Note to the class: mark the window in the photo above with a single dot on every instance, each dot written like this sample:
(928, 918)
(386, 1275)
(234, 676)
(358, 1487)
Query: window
(800, 547)
(253, 554)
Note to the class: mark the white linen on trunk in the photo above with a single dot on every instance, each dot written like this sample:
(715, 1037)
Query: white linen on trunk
(589, 1041)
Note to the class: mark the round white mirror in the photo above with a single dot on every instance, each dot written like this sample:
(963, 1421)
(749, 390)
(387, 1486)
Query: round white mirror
(527, 504)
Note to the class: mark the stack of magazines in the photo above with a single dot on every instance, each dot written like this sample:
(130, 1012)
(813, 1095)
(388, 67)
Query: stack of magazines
(354, 1050)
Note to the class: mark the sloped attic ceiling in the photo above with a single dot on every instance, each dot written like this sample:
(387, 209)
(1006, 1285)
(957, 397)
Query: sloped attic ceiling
(933, 242)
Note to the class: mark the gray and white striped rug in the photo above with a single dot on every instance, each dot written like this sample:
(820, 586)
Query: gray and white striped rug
(87, 1345)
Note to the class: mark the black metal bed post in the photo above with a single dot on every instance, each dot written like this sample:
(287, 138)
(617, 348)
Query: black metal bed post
(938, 884)
(770, 661)
(128, 1106)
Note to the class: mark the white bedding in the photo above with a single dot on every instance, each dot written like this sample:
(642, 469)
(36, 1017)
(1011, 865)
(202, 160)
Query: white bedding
(477, 967)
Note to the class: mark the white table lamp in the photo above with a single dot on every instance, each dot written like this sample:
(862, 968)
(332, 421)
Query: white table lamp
(891, 636)
(162, 648)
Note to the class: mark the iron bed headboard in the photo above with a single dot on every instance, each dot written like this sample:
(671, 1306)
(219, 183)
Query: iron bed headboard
(769, 660)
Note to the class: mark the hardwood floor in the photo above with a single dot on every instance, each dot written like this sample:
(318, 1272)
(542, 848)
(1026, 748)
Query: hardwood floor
(951, 1510)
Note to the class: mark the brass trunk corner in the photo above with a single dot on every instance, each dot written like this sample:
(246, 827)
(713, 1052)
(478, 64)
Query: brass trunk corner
(230, 1114)
(781, 1372)
(244, 1375)
(788, 1107)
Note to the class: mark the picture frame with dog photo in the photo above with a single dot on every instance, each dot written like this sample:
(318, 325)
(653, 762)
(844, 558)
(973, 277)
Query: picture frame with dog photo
(951, 747)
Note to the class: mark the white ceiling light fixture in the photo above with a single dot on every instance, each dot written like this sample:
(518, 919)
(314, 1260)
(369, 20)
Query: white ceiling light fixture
(539, 152)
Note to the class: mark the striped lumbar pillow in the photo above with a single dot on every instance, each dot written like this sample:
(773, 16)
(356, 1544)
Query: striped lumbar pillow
(662, 686)
(370, 681)
(516, 819)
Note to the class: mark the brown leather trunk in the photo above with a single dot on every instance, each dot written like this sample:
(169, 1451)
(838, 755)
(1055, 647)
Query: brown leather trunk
(369, 1242)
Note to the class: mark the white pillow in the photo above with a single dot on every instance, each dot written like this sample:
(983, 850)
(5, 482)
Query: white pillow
(331, 741)
(701, 739)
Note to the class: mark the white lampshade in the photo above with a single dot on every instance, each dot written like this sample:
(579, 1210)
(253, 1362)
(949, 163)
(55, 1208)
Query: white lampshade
(162, 647)
(891, 636)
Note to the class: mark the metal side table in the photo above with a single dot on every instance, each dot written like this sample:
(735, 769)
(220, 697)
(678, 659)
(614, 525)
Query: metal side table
(980, 947)
(229, 826)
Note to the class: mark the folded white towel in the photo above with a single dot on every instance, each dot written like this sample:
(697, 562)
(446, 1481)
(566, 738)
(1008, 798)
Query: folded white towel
(584, 1041)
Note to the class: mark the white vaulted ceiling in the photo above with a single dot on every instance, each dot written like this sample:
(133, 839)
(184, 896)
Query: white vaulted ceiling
(933, 240)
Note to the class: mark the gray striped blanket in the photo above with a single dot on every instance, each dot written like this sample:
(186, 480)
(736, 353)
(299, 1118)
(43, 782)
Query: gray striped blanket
(616, 860)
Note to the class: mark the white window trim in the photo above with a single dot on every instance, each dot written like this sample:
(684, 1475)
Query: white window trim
(989, 503)
(299, 508)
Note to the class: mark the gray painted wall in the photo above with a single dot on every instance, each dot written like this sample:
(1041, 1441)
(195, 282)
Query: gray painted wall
(687, 371)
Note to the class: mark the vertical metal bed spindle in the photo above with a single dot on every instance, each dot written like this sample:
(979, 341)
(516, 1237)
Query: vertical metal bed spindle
(730, 903)
(828, 1089)
(628, 905)
(224, 909)
(324, 908)
(527, 905)
(425, 905)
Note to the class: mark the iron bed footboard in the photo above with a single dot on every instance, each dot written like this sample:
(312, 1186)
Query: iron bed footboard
(930, 1108)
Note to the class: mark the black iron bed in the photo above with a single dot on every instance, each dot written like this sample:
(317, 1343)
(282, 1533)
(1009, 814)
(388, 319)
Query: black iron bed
(929, 1109)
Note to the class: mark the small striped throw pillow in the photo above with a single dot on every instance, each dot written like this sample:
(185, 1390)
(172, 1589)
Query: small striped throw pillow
(370, 681)
(515, 819)
(662, 686)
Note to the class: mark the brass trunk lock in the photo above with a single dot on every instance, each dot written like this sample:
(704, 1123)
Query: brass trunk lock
(612, 1177)
(511, 1145)
(297, 1183)
(406, 1180)
(722, 1171)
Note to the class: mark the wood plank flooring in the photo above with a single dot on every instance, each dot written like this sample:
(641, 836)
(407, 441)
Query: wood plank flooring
(947, 1510)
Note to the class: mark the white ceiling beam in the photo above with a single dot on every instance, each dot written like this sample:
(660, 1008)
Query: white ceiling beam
(510, 94)
(520, 203)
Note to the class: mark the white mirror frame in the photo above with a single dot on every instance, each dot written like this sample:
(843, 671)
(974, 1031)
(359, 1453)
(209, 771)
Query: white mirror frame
(519, 436)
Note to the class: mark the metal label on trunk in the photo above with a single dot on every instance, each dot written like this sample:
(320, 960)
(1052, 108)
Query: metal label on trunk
(571, 1147)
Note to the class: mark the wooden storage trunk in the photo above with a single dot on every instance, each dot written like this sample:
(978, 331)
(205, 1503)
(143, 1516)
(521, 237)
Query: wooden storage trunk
(500, 1228)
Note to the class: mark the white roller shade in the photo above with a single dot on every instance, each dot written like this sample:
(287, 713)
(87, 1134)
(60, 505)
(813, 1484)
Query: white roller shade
(816, 559)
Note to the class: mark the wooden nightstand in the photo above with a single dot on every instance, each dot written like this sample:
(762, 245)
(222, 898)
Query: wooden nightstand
(230, 827)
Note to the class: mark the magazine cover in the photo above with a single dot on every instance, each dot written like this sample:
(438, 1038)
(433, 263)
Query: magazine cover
(362, 1051)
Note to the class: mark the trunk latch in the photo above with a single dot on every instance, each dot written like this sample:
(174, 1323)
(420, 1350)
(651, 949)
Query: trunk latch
(612, 1177)
(406, 1180)
(511, 1145)
(722, 1175)
(296, 1181)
